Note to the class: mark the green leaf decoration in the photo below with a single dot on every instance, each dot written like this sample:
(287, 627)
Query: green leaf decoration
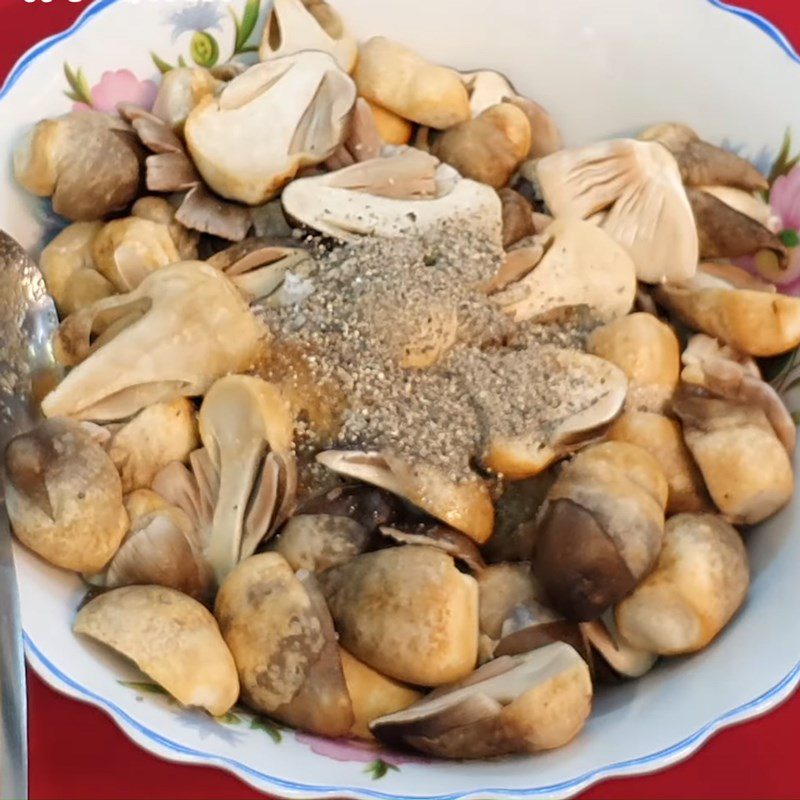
(229, 719)
(378, 768)
(163, 66)
(182, 62)
(245, 28)
(269, 727)
(789, 237)
(80, 91)
(144, 688)
(204, 49)
(785, 162)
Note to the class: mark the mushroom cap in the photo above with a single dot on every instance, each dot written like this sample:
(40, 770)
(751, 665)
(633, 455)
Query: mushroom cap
(185, 325)
(297, 25)
(173, 639)
(488, 148)
(636, 189)
(699, 583)
(316, 542)
(304, 100)
(744, 465)
(373, 695)
(179, 91)
(581, 266)
(394, 76)
(601, 528)
(466, 506)
(64, 496)
(87, 161)
(284, 646)
(729, 304)
(157, 435)
(352, 202)
(663, 438)
(545, 136)
(406, 612)
(393, 129)
(647, 351)
(516, 704)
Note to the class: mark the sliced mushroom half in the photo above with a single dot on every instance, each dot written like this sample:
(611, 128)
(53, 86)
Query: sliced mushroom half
(619, 659)
(634, 191)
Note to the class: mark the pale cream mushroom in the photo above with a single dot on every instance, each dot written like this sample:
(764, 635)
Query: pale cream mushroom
(157, 209)
(64, 497)
(171, 638)
(410, 192)
(663, 438)
(738, 309)
(86, 161)
(157, 435)
(465, 506)
(489, 148)
(744, 464)
(393, 129)
(601, 529)
(647, 351)
(69, 269)
(515, 704)
(580, 265)
(614, 658)
(698, 584)
(141, 502)
(634, 192)
(397, 78)
(406, 612)
(373, 695)
(486, 88)
(297, 25)
(304, 100)
(180, 90)
(284, 645)
(182, 328)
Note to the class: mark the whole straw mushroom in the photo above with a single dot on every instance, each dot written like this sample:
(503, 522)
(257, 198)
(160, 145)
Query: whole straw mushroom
(647, 351)
(64, 496)
(297, 25)
(171, 638)
(601, 529)
(393, 129)
(305, 99)
(88, 162)
(633, 190)
(398, 79)
(733, 306)
(180, 91)
(407, 612)
(279, 630)
(515, 704)
(698, 584)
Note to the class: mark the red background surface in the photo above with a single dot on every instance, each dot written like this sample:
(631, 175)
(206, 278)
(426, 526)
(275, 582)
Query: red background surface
(76, 752)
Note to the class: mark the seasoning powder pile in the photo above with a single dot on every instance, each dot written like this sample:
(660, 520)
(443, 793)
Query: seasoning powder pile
(418, 362)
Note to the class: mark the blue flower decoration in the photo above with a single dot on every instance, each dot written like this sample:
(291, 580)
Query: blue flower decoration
(200, 16)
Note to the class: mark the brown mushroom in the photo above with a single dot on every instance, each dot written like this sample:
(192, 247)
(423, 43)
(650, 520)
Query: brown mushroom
(517, 217)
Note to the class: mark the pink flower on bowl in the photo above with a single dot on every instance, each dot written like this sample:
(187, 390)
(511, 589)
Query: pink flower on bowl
(120, 86)
(353, 750)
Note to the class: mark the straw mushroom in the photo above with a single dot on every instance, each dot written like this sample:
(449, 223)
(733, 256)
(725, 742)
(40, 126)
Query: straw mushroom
(515, 704)
(373, 695)
(634, 191)
(398, 79)
(409, 192)
(283, 642)
(699, 582)
(180, 90)
(733, 306)
(580, 265)
(164, 339)
(171, 638)
(518, 221)
(157, 435)
(647, 351)
(141, 502)
(745, 466)
(363, 140)
(305, 101)
(663, 438)
(316, 542)
(407, 612)
(157, 209)
(64, 496)
(465, 506)
(440, 537)
(297, 25)
(601, 529)
(488, 148)
(393, 129)
(69, 269)
(615, 659)
(86, 161)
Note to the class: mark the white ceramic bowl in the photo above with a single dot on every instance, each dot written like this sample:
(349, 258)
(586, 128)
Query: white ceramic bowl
(602, 68)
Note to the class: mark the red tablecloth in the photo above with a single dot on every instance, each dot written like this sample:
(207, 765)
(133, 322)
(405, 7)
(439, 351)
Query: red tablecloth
(77, 753)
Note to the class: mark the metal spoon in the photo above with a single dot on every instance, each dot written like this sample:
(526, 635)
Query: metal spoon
(27, 371)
